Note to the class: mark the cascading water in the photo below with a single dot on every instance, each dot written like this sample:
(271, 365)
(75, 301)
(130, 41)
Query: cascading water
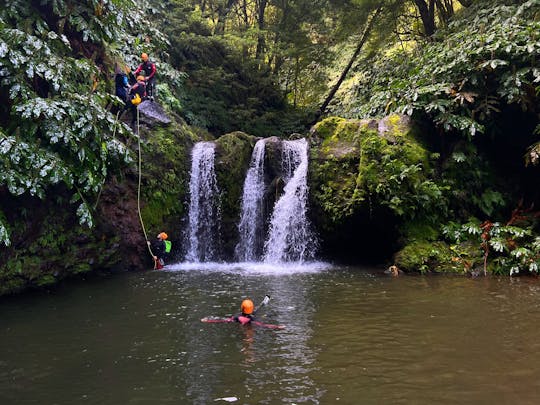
(204, 214)
(290, 237)
(251, 225)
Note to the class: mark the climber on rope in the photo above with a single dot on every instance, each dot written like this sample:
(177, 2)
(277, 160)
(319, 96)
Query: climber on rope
(136, 94)
(149, 69)
(162, 249)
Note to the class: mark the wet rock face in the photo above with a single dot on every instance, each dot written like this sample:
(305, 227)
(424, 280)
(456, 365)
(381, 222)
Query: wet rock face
(152, 114)
(352, 167)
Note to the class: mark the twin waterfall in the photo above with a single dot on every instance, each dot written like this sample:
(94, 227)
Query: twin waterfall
(283, 236)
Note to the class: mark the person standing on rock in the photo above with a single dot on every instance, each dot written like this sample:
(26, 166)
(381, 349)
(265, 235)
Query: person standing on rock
(149, 69)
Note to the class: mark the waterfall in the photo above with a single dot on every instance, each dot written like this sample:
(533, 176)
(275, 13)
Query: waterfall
(204, 215)
(290, 237)
(251, 225)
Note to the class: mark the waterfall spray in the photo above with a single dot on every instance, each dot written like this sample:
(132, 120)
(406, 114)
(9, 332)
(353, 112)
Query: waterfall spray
(204, 214)
(290, 237)
(251, 225)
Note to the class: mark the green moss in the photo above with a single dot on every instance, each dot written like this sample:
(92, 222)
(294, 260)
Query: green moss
(423, 256)
(363, 166)
(427, 256)
(327, 127)
(55, 250)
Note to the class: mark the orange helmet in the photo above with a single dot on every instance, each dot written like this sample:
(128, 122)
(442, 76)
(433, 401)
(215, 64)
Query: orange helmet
(163, 236)
(140, 78)
(144, 56)
(247, 306)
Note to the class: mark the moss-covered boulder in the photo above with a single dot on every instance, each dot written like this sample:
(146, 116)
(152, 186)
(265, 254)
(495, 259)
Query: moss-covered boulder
(367, 178)
(439, 257)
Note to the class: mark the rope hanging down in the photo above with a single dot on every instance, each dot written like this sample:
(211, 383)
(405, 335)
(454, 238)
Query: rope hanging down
(139, 188)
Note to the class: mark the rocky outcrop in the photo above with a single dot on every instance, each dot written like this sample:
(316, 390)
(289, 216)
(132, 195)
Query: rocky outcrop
(152, 114)
(362, 173)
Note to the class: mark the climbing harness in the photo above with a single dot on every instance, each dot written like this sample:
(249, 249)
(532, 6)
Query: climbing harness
(139, 188)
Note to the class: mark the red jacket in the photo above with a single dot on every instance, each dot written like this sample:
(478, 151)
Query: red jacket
(149, 69)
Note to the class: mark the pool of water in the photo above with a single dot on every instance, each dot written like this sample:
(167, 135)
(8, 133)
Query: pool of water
(352, 336)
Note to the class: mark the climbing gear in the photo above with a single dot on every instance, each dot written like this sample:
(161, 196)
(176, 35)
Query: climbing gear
(168, 246)
(247, 307)
(163, 235)
(158, 264)
(136, 100)
(139, 193)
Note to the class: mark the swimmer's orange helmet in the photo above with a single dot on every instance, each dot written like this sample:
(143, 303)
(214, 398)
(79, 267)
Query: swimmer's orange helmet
(247, 307)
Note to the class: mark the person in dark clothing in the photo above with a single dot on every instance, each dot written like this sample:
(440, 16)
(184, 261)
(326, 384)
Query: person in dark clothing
(136, 94)
(149, 69)
(121, 82)
(161, 249)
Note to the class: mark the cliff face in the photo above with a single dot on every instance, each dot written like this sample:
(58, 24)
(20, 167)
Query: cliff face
(49, 244)
(362, 175)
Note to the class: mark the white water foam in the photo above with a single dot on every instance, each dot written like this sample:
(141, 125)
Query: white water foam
(256, 268)
(290, 237)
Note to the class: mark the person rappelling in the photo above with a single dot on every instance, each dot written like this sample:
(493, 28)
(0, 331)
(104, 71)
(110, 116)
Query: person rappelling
(162, 250)
(149, 69)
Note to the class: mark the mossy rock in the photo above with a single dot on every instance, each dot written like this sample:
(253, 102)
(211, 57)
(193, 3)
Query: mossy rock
(50, 245)
(439, 257)
(353, 161)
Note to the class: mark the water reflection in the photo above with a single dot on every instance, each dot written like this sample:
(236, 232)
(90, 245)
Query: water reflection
(351, 337)
(269, 366)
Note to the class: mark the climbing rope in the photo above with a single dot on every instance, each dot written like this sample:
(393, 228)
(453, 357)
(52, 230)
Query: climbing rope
(139, 188)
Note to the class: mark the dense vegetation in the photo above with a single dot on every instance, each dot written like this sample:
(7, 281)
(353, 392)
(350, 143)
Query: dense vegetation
(465, 72)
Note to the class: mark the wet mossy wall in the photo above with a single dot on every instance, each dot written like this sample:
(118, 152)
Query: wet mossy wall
(49, 244)
(363, 174)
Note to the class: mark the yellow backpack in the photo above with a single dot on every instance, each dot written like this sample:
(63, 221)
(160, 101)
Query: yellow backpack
(136, 100)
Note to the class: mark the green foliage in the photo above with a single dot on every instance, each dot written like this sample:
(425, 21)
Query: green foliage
(484, 59)
(57, 126)
(473, 186)
(356, 165)
(510, 249)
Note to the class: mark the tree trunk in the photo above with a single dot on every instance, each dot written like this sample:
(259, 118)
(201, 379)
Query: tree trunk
(223, 12)
(427, 14)
(446, 10)
(261, 9)
(363, 39)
